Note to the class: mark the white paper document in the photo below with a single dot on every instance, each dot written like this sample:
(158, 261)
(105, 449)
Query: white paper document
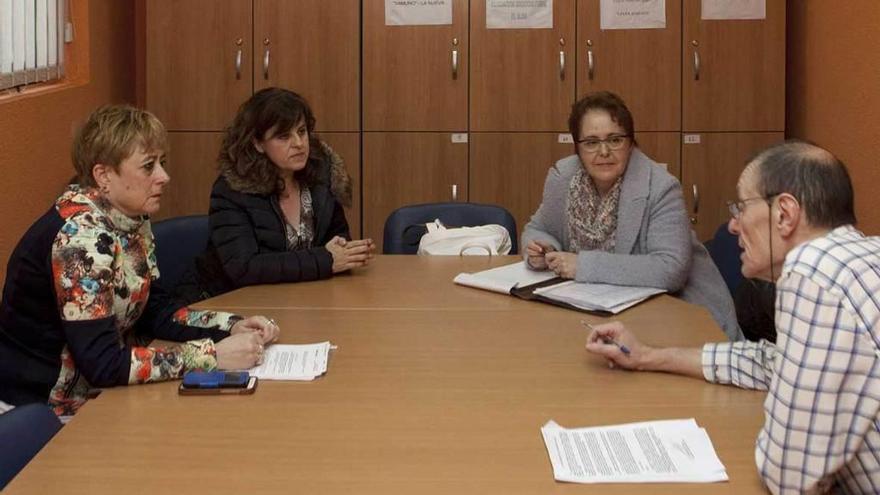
(519, 14)
(597, 297)
(733, 9)
(503, 278)
(418, 12)
(632, 14)
(653, 451)
(293, 362)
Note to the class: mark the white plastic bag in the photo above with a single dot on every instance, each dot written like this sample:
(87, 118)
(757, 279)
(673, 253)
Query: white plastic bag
(484, 239)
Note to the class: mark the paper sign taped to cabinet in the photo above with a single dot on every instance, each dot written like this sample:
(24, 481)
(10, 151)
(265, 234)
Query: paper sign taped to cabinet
(733, 9)
(418, 12)
(632, 14)
(519, 14)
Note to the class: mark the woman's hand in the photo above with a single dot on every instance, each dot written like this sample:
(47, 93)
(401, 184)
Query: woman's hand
(564, 264)
(537, 250)
(240, 351)
(616, 344)
(350, 254)
(266, 328)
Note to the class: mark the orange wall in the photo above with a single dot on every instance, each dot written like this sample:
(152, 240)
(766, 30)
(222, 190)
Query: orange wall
(833, 89)
(36, 131)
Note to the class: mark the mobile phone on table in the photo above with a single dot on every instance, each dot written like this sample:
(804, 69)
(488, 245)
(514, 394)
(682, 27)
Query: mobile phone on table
(217, 382)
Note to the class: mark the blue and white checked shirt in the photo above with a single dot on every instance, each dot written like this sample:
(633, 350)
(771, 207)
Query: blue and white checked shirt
(821, 422)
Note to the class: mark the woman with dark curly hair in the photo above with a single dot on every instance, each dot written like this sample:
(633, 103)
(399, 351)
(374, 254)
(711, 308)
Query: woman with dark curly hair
(276, 210)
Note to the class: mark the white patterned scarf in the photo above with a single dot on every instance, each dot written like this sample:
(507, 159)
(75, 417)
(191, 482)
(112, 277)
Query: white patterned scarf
(592, 219)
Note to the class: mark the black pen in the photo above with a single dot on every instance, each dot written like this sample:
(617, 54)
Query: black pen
(609, 341)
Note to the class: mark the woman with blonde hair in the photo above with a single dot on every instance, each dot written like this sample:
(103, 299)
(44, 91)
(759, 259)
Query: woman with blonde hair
(81, 300)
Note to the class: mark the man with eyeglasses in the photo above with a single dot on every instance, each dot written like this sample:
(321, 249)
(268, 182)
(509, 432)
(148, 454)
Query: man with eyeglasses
(794, 218)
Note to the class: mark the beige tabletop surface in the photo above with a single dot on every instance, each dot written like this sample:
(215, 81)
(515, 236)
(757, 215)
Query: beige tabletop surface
(433, 388)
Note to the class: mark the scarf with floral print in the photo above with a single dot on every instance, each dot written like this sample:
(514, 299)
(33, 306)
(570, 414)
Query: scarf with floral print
(592, 219)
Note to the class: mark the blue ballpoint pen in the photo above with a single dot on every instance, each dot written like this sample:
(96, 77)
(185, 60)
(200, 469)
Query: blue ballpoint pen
(608, 340)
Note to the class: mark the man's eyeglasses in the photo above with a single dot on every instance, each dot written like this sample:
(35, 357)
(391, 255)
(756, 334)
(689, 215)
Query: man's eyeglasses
(613, 142)
(736, 208)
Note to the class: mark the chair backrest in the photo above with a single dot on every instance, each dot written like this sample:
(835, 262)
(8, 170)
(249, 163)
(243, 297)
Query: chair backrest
(724, 250)
(406, 225)
(178, 241)
(23, 432)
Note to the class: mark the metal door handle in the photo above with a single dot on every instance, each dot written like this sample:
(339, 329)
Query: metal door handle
(238, 64)
(266, 64)
(696, 204)
(696, 44)
(455, 192)
(590, 64)
(455, 64)
(561, 64)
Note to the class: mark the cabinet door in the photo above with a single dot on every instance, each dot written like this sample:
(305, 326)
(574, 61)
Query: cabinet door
(733, 75)
(312, 47)
(348, 146)
(640, 65)
(663, 148)
(522, 79)
(402, 168)
(198, 61)
(509, 169)
(409, 80)
(192, 165)
(710, 170)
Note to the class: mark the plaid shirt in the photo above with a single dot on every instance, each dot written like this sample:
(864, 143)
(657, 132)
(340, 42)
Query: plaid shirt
(821, 414)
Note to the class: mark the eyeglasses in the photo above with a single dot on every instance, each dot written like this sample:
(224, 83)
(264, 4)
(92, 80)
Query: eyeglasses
(736, 208)
(613, 142)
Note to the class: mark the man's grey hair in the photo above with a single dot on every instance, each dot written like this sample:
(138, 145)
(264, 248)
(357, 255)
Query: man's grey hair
(814, 176)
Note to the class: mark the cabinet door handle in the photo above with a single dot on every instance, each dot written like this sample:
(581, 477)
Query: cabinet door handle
(696, 65)
(455, 64)
(266, 64)
(696, 204)
(455, 192)
(561, 64)
(238, 64)
(590, 64)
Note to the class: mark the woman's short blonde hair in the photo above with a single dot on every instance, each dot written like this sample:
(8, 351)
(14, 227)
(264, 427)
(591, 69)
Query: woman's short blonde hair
(113, 133)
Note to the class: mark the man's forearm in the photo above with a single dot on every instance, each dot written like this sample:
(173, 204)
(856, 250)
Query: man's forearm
(679, 360)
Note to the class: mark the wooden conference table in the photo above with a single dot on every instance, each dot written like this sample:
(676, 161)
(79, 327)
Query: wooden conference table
(434, 388)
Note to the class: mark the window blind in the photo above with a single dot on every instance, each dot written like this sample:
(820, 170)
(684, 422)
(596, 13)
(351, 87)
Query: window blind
(31, 41)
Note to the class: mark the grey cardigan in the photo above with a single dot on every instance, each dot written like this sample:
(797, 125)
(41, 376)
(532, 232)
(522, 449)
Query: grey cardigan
(654, 244)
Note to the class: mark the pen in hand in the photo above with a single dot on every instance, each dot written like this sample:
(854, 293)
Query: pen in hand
(608, 340)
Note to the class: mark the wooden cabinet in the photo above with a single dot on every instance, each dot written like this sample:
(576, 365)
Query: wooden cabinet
(192, 165)
(640, 65)
(313, 48)
(522, 79)
(197, 61)
(662, 147)
(415, 77)
(348, 146)
(710, 170)
(401, 168)
(509, 169)
(733, 72)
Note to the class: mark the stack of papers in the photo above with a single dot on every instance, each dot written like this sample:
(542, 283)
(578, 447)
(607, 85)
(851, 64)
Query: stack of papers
(654, 451)
(293, 362)
(597, 297)
(503, 278)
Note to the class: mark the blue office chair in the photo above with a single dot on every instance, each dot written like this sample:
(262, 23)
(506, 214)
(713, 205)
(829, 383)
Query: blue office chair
(724, 250)
(23, 432)
(179, 241)
(405, 226)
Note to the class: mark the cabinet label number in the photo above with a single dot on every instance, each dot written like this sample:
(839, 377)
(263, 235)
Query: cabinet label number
(691, 139)
(564, 139)
(460, 137)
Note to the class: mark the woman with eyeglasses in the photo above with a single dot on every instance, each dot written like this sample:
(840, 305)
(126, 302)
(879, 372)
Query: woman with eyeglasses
(611, 215)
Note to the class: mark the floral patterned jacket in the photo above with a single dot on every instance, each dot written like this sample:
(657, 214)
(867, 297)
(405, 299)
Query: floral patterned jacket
(100, 267)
